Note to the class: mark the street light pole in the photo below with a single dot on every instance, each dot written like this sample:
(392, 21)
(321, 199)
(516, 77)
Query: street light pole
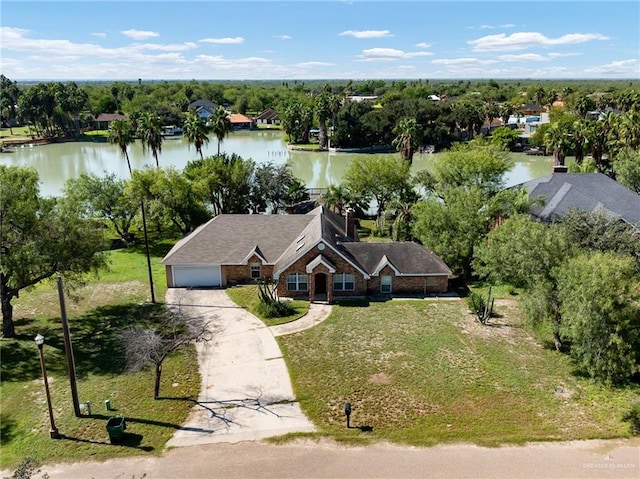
(53, 430)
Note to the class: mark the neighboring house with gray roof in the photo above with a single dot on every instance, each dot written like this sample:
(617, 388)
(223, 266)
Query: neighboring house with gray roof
(585, 191)
(315, 256)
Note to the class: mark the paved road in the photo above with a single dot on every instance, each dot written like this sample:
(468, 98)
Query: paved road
(570, 460)
(246, 392)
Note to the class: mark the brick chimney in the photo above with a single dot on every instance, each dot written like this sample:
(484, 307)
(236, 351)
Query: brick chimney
(350, 230)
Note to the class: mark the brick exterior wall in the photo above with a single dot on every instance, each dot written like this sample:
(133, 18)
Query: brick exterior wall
(409, 284)
(363, 287)
(169, 273)
(340, 265)
(241, 273)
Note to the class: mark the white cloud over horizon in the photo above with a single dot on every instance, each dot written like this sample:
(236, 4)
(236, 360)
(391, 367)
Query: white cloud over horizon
(524, 40)
(223, 41)
(139, 34)
(366, 33)
(389, 54)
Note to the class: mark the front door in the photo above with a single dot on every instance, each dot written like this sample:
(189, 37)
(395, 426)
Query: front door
(321, 284)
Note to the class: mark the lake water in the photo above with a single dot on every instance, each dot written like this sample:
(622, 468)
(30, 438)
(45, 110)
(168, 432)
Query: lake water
(56, 163)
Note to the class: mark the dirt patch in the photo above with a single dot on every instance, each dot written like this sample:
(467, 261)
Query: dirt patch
(506, 325)
(381, 378)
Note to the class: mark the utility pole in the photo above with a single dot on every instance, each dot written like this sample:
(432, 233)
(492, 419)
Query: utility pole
(71, 365)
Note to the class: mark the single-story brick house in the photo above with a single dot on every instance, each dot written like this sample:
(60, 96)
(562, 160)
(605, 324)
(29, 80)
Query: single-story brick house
(316, 256)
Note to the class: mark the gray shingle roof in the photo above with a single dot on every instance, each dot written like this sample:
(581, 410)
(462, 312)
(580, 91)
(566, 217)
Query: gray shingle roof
(282, 239)
(586, 191)
(407, 258)
(227, 239)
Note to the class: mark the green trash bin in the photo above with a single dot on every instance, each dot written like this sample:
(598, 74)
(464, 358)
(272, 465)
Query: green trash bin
(115, 427)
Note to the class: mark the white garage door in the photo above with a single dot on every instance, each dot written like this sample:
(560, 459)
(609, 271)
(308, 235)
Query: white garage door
(194, 276)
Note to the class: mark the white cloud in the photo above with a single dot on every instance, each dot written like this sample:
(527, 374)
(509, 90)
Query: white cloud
(171, 47)
(390, 54)
(139, 34)
(524, 40)
(423, 45)
(560, 55)
(507, 25)
(283, 37)
(486, 27)
(620, 67)
(525, 57)
(99, 34)
(366, 33)
(223, 41)
(462, 61)
(314, 64)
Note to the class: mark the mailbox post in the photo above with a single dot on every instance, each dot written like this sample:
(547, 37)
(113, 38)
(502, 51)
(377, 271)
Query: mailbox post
(347, 412)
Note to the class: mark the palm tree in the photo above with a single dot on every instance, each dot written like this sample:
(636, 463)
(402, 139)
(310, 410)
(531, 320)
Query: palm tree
(220, 125)
(150, 133)
(406, 139)
(335, 198)
(322, 109)
(120, 134)
(580, 129)
(195, 131)
(557, 138)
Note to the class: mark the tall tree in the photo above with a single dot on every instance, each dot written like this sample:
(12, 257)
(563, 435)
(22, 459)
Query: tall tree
(601, 316)
(220, 125)
(40, 238)
(407, 138)
(121, 134)
(322, 110)
(224, 181)
(558, 139)
(525, 253)
(195, 131)
(150, 132)
(104, 198)
(380, 178)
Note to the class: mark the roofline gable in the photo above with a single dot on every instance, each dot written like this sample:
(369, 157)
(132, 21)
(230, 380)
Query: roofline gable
(254, 252)
(276, 274)
(317, 261)
(384, 261)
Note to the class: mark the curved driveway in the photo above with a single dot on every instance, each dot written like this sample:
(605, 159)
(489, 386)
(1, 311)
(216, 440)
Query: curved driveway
(246, 391)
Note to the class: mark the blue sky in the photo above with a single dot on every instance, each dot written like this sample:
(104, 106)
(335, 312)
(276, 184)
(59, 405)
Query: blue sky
(262, 40)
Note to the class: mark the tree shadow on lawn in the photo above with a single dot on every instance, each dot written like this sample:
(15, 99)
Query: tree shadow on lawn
(7, 430)
(95, 338)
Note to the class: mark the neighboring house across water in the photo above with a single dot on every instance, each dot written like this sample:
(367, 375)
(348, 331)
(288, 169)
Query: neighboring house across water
(203, 108)
(585, 191)
(103, 120)
(315, 256)
(240, 122)
(268, 117)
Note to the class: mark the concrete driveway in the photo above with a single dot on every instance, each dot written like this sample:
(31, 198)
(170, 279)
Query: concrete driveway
(246, 391)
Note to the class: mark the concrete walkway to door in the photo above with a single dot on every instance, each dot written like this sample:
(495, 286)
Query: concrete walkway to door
(246, 391)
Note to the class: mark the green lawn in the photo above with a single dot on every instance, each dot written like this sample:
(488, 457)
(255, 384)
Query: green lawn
(100, 310)
(424, 373)
(246, 297)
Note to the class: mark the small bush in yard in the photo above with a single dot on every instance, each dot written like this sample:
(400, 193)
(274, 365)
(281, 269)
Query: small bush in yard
(268, 305)
(481, 307)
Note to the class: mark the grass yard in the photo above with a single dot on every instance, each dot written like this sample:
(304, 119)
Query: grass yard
(100, 310)
(246, 297)
(424, 373)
